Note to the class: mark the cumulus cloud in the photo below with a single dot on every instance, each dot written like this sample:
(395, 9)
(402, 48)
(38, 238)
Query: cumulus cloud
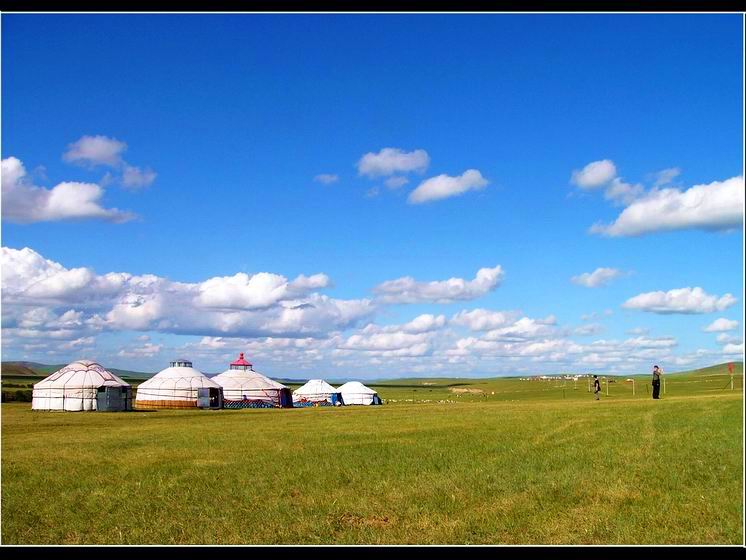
(445, 186)
(721, 325)
(393, 160)
(136, 178)
(409, 290)
(623, 193)
(714, 206)
(594, 175)
(396, 182)
(680, 300)
(241, 305)
(326, 178)
(147, 350)
(483, 319)
(524, 328)
(733, 349)
(95, 150)
(599, 277)
(665, 176)
(24, 202)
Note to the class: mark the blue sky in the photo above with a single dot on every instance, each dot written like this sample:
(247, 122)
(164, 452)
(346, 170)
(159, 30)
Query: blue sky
(210, 134)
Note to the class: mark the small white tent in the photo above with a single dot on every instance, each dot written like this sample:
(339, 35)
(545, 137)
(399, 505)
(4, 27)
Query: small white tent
(75, 387)
(177, 386)
(354, 392)
(316, 391)
(244, 388)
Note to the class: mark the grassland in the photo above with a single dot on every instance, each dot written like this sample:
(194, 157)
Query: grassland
(535, 462)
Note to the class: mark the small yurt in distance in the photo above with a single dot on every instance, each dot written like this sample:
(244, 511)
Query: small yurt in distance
(354, 392)
(318, 392)
(245, 388)
(179, 386)
(82, 385)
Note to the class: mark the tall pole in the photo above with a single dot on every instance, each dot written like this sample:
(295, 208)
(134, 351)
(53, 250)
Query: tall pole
(633, 387)
(607, 386)
(664, 386)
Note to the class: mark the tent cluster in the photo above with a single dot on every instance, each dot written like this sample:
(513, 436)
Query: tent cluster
(86, 385)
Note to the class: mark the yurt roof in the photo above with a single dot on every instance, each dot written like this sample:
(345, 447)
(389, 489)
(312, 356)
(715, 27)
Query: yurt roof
(246, 379)
(173, 374)
(82, 373)
(315, 387)
(355, 387)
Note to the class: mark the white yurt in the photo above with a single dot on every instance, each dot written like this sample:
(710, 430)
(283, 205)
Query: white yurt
(354, 392)
(82, 385)
(316, 391)
(245, 388)
(179, 386)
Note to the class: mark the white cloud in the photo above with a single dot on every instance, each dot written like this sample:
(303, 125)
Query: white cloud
(326, 178)
(242, 305)
(644, 342)
(136, 178)
(638, 330)
(393, 160)
(147, 350)
(599, 277)
(595, 174)
(372, 192)
(721, 325)
(623, 193)
(723, 338)
(257, 291)
(424, 323)
(715, 206)
(680, 300)
(665, 176)
(733, 349)
(25, 203)
(445, 186)
(483, 319)
(96, 150)
(589, 329)
(408, 290)
(396, 182)
(524, 328)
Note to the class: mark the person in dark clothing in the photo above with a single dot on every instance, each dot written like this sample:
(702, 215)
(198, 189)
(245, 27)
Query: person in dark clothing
(597, 387)
(657, 382)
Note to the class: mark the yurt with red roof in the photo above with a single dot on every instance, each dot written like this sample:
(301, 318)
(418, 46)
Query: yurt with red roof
(245, 388)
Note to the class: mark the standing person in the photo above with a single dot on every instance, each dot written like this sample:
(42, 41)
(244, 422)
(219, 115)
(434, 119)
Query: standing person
(657, 382)
(597, 387)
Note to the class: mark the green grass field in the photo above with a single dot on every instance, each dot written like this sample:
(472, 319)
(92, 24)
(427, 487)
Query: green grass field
(533, 463)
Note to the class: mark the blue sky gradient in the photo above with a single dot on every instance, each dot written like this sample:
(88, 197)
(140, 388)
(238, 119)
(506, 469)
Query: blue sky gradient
(238, 113)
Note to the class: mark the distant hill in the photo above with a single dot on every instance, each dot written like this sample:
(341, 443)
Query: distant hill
(17, 370)
(35, 369)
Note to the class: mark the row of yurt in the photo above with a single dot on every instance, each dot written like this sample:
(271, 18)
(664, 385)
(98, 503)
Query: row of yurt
(82, 385)
(86, 385)
(319, 392)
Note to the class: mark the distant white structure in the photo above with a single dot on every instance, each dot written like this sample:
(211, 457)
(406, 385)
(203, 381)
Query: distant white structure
(76, 387)
(177, 386)
(354, 392)
(316, 391)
